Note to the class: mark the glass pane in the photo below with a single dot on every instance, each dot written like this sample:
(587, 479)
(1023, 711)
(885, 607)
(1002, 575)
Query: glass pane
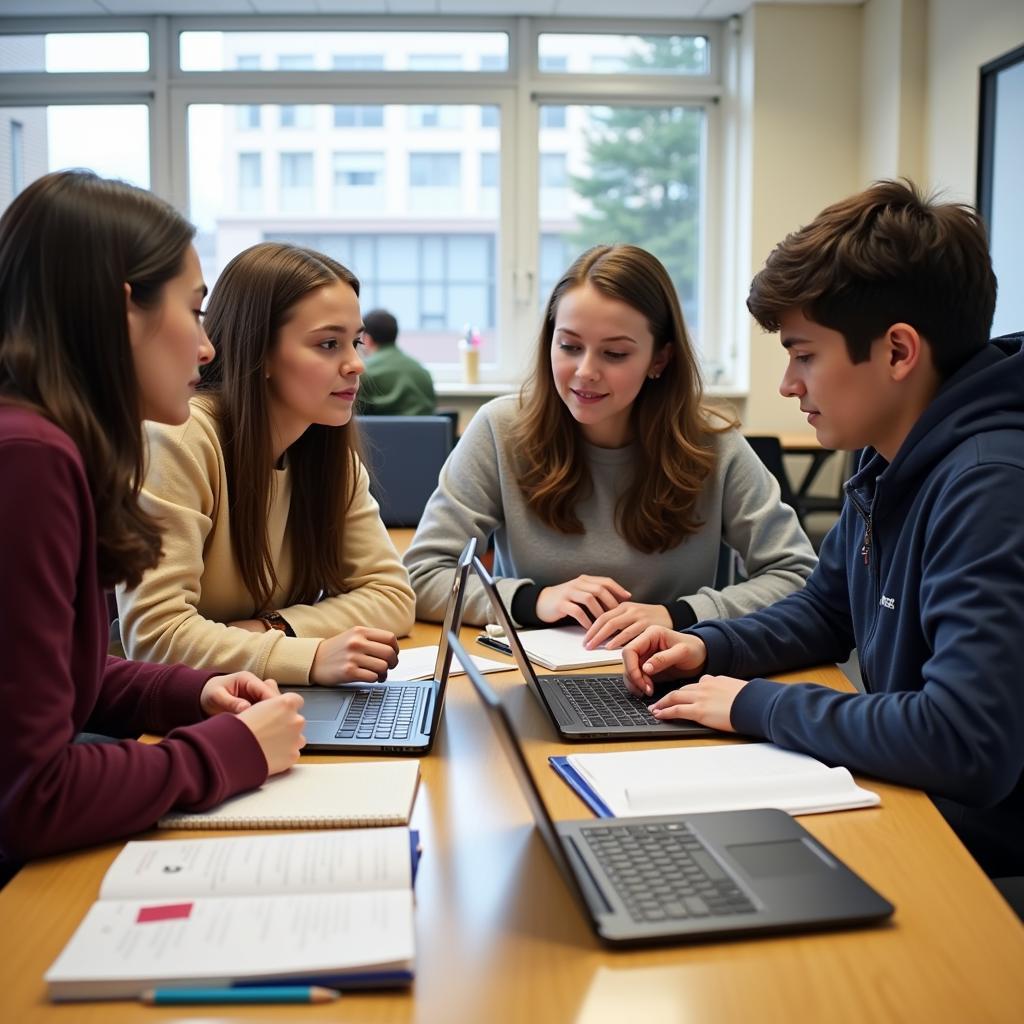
(605, 54)
(344, 51)
(625, 174)
(413, 211)
(58, 52)
(113, 141)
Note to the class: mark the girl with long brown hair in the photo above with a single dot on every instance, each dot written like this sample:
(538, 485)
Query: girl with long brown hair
(607, 484)
(275, 557)
(100, 294)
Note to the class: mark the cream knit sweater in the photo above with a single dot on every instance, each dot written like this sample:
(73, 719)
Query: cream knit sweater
(179, 611)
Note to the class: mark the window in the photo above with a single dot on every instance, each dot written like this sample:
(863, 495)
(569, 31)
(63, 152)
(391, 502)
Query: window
(435, 117)
(603, 54)
(489, 170)
(615, 191)
(358, 117)
(552, 117)
(358, 62)
(110, 139)
(553, 173)
(434, 283)
(296, 117)
(77, 52)
(248, 118)
(358, 182)
(434, 170)
(359, 50)
(17, 157)
(296, 181)
(435, 62)
(250, 181)
(289, 136)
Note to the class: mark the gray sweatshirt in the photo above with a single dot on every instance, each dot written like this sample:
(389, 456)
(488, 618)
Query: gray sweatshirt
(478, 495)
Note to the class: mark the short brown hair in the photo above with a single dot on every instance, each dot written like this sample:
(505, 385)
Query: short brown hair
(886, 255)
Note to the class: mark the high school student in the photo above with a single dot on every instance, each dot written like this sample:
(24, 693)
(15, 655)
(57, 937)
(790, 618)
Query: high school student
(275, 558)
(100, 290)
(608, 485)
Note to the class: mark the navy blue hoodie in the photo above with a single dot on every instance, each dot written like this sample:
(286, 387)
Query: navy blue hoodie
(924, 574)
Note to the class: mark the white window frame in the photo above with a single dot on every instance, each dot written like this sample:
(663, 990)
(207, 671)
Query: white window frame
(167, 91)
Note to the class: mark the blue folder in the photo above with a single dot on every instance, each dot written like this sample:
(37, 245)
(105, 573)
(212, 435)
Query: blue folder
(580, 786)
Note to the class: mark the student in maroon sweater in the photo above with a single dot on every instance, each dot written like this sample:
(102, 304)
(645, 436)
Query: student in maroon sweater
(100, 294)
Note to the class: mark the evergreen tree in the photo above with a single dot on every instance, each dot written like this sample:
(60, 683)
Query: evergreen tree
(644, 181)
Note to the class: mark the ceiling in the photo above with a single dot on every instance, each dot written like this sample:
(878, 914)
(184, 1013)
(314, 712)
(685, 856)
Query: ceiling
(538, 8)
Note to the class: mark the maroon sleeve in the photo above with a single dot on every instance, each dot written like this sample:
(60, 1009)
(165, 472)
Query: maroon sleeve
(55, 678)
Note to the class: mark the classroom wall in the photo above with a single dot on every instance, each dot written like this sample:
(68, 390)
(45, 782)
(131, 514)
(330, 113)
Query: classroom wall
(961, 37)
(803, 107)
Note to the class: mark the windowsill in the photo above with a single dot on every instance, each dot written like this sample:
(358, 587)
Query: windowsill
(491, 389)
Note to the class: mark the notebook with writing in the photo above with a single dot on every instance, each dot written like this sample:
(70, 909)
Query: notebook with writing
(399, 716)
(676, 878)
(586, 707)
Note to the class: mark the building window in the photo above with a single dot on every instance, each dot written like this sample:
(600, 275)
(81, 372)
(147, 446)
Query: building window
(434, 170)
(247, 62)
(293, 116)
(435, 62)
(17, 157)
(296, 181)
(250, 181)
(490, 116)
(448, 116)
(553, 171)
(489, 170)
(552, 117)
(358, 117)
(358, 62)
(248, 117)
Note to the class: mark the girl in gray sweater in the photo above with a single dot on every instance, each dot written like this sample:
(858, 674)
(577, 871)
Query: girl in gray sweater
(606, 484)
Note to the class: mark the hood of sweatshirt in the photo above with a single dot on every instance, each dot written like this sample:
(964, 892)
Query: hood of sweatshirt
(985, 394)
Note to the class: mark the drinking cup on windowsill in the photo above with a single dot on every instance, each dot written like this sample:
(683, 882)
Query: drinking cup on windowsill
(470, 365)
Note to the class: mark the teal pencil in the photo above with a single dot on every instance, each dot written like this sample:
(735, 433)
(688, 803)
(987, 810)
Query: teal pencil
(253, 994)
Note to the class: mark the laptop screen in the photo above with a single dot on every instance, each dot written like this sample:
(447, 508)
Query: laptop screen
(505, 621)
(502, 724)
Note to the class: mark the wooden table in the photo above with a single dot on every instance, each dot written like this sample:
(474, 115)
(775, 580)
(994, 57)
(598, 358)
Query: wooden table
(500, 938)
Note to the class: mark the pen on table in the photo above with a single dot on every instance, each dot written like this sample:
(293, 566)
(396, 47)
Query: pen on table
(241, 994)
(494, 643)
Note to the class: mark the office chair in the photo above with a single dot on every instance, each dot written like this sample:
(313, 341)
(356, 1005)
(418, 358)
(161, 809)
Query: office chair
(404, 455)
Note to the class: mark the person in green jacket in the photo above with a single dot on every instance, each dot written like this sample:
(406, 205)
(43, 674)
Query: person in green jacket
(393, 384)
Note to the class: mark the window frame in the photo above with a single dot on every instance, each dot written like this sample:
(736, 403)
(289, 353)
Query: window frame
(518, 92)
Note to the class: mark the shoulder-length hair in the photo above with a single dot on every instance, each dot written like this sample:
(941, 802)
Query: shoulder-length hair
(68, 245)
(670, 424)
(252, 299)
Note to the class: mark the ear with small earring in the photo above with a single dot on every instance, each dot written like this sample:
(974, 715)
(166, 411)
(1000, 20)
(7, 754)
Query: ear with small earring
(653, 376)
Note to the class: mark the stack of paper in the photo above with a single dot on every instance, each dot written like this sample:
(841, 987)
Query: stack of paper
(689, 780)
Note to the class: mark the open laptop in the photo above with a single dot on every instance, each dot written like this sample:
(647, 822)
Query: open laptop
(587, 707)
(671, 878)
(394, 717)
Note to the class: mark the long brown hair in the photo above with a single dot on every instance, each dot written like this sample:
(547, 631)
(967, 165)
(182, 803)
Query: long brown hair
(68, 245)
(251, 301)
(670, 424)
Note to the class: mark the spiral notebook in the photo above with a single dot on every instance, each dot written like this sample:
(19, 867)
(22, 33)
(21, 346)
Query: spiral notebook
(316, 796)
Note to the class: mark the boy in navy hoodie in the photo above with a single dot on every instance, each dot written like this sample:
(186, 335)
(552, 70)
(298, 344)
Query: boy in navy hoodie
(884, 304)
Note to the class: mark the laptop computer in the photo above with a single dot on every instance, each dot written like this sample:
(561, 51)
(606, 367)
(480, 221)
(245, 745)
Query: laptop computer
(394, 717)
(586, 707)
(675, 878)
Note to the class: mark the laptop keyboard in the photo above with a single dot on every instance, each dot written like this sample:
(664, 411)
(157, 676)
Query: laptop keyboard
(603, 701)
(380, 713)
(664, 872)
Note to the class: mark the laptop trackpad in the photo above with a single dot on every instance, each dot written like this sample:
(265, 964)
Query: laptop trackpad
(323, 705)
